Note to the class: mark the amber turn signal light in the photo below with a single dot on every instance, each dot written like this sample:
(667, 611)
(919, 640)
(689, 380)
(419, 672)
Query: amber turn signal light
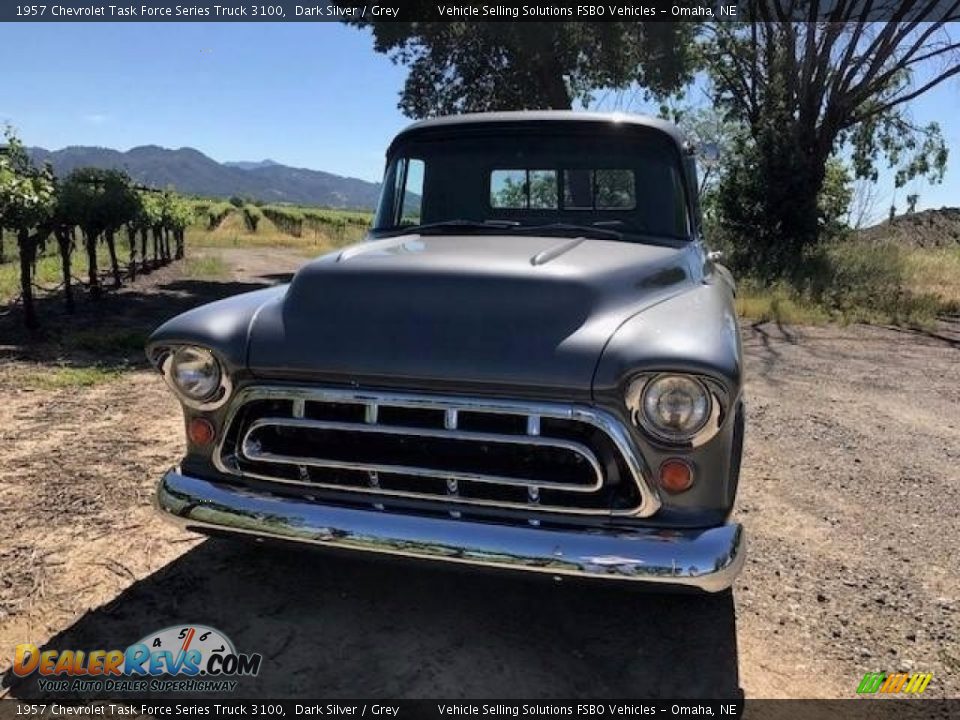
(200, 431)
(676, 476)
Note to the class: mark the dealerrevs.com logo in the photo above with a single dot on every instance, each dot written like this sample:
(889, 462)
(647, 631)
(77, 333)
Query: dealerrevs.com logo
(182, 658)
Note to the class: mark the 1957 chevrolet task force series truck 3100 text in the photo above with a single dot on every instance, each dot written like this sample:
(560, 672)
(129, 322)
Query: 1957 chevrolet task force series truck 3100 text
(531, 363)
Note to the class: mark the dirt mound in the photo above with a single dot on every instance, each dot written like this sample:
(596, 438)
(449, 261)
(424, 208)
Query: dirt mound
(928, 228)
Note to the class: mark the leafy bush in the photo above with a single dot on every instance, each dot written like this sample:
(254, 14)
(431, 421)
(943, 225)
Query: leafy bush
(845, 282)
(288, 220)
(216, 214)
(252, 216)
(870, 283)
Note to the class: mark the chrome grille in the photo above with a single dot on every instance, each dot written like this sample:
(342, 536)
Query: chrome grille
(464, 451)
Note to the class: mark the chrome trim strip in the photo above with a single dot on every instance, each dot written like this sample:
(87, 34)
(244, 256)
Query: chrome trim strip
(250, 449)
(383, 493)
(299, 407)
(450, 419)
(707, 559)
(533, 425)
(649, 494)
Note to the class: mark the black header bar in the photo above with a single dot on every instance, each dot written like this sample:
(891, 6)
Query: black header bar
(471, 10)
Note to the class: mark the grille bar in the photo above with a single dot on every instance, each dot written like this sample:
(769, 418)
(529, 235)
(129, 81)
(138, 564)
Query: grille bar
(251, 450)
(534, 428)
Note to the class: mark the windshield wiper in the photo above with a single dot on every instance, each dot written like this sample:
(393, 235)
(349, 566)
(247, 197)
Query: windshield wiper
(457, 224)
(568, 228)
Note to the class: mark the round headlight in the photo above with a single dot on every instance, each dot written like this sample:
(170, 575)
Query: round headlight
(195, 372)
(672, 407)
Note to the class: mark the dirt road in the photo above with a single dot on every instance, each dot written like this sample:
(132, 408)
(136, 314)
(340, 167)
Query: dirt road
(849, 492)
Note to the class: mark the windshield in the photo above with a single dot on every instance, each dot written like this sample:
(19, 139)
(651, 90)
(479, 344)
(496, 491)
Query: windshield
(631, 183)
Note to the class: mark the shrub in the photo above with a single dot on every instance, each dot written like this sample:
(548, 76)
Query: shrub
(216, 214)
(871, 283)
(845, 282)
(287, 219)
(251, 216)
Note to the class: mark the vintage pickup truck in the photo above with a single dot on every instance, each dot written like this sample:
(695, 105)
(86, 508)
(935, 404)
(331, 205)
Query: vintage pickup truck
(531, 363)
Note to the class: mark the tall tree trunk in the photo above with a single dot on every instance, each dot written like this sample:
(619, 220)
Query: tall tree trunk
(28, 248)
(114, 265)
(90, 244)
(65, 244)
(2, 258)
(166, 245)
(132, 240)
(791, 180)
(550, 74)
(178, 237)
(143, 249)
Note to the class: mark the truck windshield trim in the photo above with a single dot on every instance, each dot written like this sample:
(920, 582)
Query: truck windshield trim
(631, 182)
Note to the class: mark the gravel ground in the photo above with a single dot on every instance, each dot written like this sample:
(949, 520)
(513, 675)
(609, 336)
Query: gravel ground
(849, 493)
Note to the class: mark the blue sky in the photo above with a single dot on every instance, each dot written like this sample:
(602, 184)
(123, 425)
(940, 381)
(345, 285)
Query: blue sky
(303, 94)
(307, 95)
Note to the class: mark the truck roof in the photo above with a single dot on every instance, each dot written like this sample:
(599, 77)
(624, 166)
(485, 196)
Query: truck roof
(477, 120)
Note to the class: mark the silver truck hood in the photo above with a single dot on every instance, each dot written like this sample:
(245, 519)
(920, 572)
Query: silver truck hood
(462, 310)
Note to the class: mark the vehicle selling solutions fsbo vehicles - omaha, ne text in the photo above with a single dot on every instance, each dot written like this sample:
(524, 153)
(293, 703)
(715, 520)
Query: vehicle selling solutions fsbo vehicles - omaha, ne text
(531, 363)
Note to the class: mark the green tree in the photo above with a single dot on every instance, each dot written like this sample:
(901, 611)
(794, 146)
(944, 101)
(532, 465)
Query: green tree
(100, 202)
(26, 206)
(138, 225)
(833, 200)
(121, 204)
(151, 204)
(804, 90)
(178, 214)
(66, 216)
(457, 67)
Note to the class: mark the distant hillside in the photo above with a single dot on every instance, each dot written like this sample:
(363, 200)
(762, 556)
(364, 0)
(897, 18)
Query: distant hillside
(927, 228)
(192, 172)
(248, 165)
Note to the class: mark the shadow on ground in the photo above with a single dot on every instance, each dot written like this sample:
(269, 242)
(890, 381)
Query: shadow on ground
(340, 627)
(112, 329)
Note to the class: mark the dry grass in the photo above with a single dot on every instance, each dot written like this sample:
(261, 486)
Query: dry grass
(937, 271)
(778, 304)
(208, 267)
(234, 232)
(64, 377)
(855, 282)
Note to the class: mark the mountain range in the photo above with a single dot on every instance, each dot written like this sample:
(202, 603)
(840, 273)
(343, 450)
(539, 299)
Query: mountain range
(191, 172)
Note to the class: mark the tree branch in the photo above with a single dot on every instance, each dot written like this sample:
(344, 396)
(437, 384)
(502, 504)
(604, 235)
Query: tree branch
(879, 109)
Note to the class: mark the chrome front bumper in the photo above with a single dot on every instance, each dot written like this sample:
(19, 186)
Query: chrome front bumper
(706, 559)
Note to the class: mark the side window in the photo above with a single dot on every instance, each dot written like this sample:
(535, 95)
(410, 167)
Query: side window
(508, 189)
(523, 189)
(599, 190)
(408, 191)
(542, 188)
(614, 190)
